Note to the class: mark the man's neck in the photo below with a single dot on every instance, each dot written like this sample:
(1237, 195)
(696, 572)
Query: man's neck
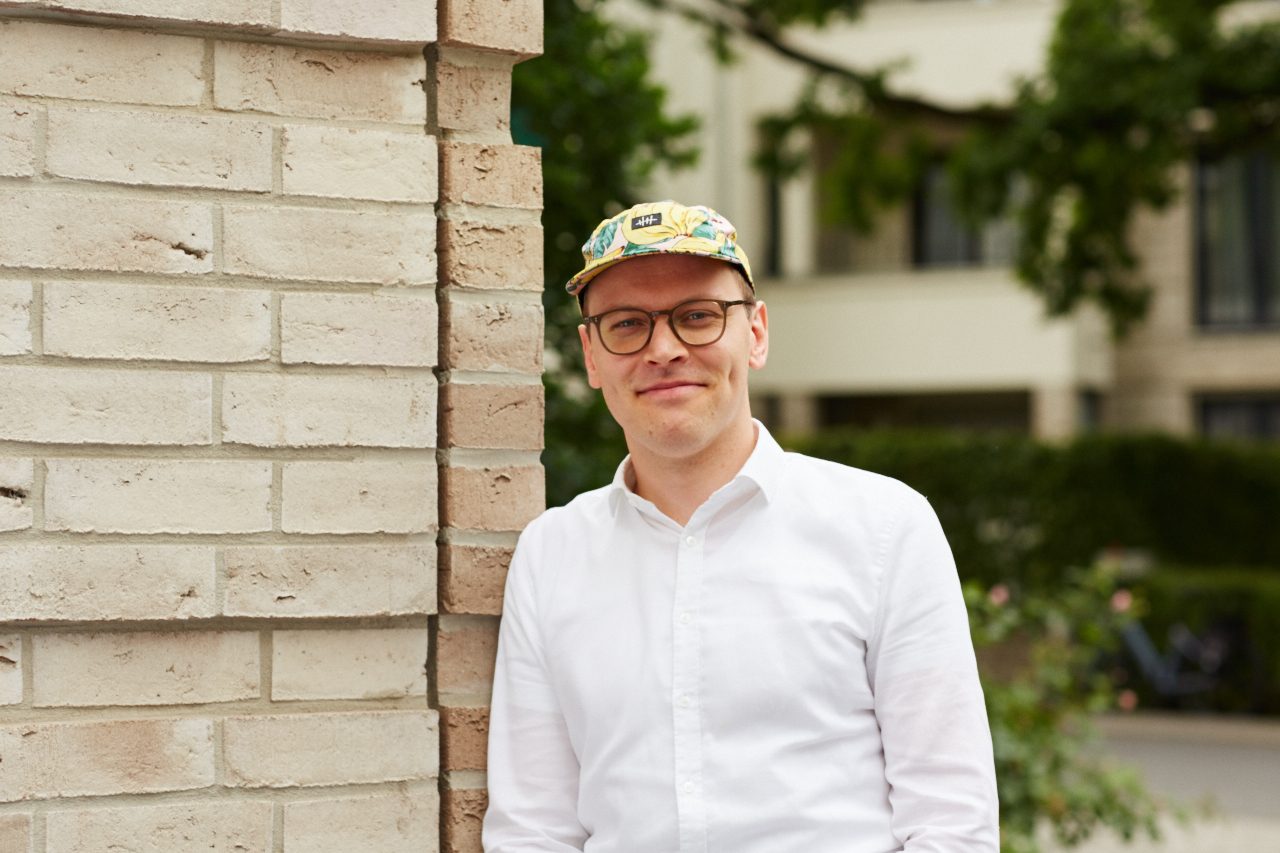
(679, 485)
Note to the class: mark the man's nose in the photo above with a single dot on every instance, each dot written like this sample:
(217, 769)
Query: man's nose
(664, 346)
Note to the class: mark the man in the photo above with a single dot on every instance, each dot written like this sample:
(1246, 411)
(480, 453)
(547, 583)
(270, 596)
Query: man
(729, 649)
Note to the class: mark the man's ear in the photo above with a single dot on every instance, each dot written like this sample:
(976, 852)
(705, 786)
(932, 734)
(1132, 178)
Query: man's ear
(759, 337)
(588, 355)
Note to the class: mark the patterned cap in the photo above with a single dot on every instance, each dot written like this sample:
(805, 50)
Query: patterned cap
(660, 227)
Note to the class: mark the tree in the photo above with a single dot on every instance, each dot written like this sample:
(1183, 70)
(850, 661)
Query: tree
(1131, 90)
(603, 128)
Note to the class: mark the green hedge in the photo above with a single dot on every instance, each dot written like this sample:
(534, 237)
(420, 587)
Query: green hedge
(1240, 604)
(1016, 509)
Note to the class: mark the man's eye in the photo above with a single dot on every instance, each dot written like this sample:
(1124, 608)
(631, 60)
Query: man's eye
(626, 324)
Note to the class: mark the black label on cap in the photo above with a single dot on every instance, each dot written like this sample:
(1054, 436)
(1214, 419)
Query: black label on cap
(647, 220)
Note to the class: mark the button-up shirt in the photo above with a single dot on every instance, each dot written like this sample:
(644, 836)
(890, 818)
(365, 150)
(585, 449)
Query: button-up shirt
(790, 671)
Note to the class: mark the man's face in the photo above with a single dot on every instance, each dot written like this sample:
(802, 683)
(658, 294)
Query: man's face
(671, 399)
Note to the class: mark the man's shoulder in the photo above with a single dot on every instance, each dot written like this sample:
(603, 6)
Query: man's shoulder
(585, 512)
(810, 472)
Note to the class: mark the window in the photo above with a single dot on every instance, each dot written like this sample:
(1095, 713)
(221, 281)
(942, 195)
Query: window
(1256, 418)
(941, 238)
(1238, 241)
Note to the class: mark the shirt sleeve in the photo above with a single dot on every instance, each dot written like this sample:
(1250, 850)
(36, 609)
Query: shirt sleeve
(533, 771)
(928, 701)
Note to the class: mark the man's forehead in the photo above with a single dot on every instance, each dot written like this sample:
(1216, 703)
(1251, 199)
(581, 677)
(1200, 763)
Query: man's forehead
(662, 278)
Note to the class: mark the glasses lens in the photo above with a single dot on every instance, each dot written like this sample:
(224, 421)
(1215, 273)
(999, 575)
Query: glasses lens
(699, 322)
(624, 331)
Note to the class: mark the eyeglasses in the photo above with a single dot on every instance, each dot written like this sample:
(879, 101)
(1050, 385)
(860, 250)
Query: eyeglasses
(696, 323)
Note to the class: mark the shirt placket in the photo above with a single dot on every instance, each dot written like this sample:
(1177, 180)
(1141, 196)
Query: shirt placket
(686, 696)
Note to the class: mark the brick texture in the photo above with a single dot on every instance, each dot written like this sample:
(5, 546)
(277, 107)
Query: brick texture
(492, 416)
(389, 20)
(359, 164)
(405, 822)
(504, 26)
(308, 244)
(15, 317)
(110, 65)
(158, 149)
(106, 582)
(330, 581)
(373, 663)
(493, 497)
(462, 816)
(464, 738)
(493, 175)
(157, 496)
(127, 322)
(302, 750)
(328, 84)
(10, 669)
(221, 827)
(472, 578)
(17, 142)
(15, 832)
(473, 97)
(480, 255)
(493, 335)
(61, 406)
(94, 232)
(359, 497)
(44, 760)
(147, 668)
(333, 328)
(465, 652)
(16, 478)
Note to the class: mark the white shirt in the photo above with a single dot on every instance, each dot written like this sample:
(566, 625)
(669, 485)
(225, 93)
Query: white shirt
(790, 672)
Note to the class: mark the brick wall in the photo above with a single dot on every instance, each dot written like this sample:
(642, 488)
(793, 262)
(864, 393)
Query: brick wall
(247, 409)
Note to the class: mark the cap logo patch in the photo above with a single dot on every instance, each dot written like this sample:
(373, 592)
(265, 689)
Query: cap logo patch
(646, 221)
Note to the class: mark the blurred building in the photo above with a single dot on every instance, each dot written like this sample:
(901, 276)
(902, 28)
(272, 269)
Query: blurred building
(921, 322)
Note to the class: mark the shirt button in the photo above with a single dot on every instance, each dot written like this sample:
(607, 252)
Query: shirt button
(688, 787)
(690, 541)
(684, 701)
(686, 617)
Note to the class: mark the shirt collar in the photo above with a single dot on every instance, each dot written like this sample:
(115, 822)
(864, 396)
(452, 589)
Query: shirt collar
(761, 468)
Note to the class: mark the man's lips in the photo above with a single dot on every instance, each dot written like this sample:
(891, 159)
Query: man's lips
(669, 385)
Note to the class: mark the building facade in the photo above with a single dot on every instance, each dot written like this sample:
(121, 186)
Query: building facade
(921, 321)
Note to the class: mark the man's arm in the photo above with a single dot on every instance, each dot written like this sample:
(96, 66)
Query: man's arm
(933, 722)
(533, 771)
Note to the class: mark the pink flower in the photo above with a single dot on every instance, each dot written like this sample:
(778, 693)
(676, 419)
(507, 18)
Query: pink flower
(1127, 700)
(1121, 601)
(998, 595)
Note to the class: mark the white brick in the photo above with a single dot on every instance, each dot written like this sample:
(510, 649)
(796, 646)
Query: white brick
(407, 822)
(17, 141)
(146, 668)
(125, 322)
(102, 583)
(340, 328)
(374, 663)
(330, 245)
(411, 21)
(242, 12)
(43, 760)
(128, 147)
(95, 232)
(17, 476)
(342, 162)
(15, 833)
(98, 64)
(329, 580)
(314, 411)
(10, 669)
(15, 317)
(224, 826)
(296, 81)
(359, 497)
(300, 750)
(157, 496)
(61, 406)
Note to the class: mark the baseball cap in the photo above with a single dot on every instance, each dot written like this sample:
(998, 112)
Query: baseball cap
(658, 227)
